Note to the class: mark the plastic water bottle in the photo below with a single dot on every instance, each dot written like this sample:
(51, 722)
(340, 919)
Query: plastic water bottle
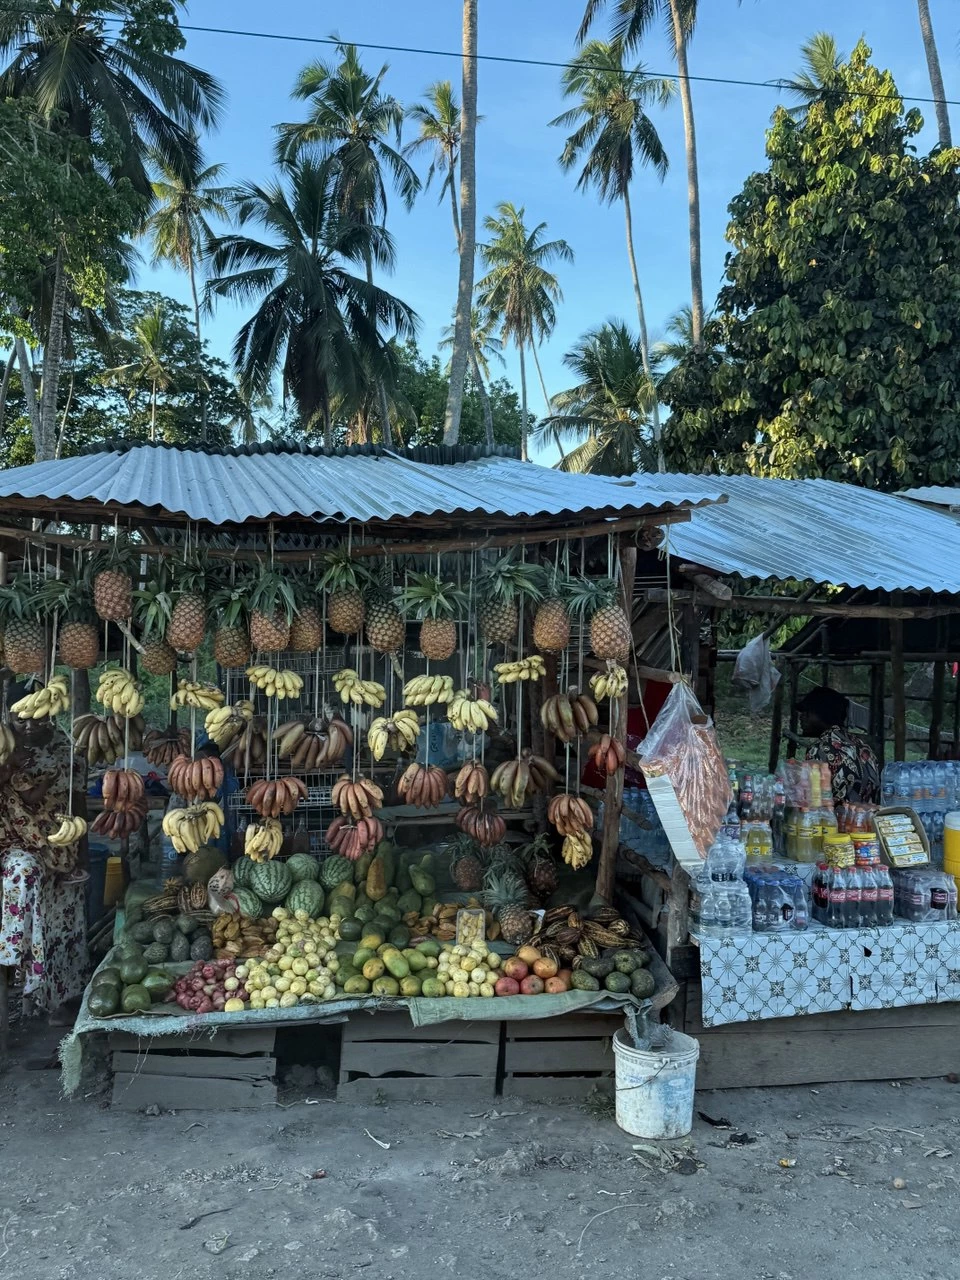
(169, 859)
(801, 918)
(709, 917)
(741, 908)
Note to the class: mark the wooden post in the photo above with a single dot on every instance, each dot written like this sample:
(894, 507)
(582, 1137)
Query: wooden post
(899, 689)
(936, 710)
(878, 732)
(776, 725)
(613, 793)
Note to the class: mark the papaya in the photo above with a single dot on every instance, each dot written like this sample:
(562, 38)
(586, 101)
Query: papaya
(415, 959)
(396, 964)
(432, 988)
(356, 986)
(402, 878)
(410, 986)
(389, 857)
(427, 862)
(374, 968)
(427, 905)
(340, 906)
(361, 956)
(429, 947)
(361, 867)
(372, 939)
(345, 889)
(422, 881)
(386, 986)
(387, 910)
(409, 901)
(376, 883)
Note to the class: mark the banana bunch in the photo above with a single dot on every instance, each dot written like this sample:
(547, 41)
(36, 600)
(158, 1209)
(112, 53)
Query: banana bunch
(481, 822)
(611, 683)
(608, 755)
(470, 714)
(472, 782)
(531, 668)
(577, 850)
(275, 683)
(190, 828)
(263, 840)
(120, 693)
(353, 839)
(195, 693)
(362, 693)
(514, 780)
(120, 824)
(571, 815)
(356, 798)
(423, 785)
(69, 831)
(270, 799)
(424, 691)
(313, 744)
(162, 746)
(8, 743)
(399, 733)
(122, 790)
(225, 723)
(52, 700)
(569, 715)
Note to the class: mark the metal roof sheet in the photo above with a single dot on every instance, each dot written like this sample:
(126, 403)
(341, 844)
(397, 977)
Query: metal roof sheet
(820, 531)
(935, 494)
(237, 485)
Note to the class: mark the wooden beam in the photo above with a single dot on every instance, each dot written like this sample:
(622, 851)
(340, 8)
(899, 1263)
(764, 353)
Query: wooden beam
(776, 726)
(613, 794)
(898, 677)
(936, 710)
(707, 583)
(812, 609)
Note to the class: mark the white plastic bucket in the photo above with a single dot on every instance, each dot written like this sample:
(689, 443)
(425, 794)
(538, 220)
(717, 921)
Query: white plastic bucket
(655, 1086)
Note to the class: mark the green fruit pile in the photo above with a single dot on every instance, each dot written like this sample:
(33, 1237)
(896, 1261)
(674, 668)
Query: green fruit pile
(128, 984)
(171, 939)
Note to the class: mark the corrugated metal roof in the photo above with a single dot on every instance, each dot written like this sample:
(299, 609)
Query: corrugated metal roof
(238, 485)
(820, 531)
(934, 494)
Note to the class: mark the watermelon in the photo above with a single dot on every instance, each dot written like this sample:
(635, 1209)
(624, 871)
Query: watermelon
(302, 867)
(306, 896)
(271, 881)
(249, 904)
(334, 870)
(242, 871)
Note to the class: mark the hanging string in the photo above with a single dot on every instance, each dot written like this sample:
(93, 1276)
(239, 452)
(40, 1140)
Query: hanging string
(73, 713)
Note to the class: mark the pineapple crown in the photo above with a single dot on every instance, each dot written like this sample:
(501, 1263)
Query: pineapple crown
(230, 605)
(152, 604)
(123, 555)
(429, 597)
(503, 888)
(556, 584)
(341, 572)
(18, 600)
(537, 848)
(70, 595)
(189, 576)
(587, 595)
(510, 578)
(464, 846)
(270, 592)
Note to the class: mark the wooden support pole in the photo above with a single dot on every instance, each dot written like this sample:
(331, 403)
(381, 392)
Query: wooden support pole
(936, 710)
(898, 678)
(878, 734)
(613, 793)
(776, 726)
(809, 609)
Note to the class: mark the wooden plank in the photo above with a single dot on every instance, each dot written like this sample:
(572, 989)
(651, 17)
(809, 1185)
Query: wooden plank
(239, 1040)
(551, 1087)
(222, 1066)
(751, 1060)
(552, 1057)
(170, 1093)
(417, 1089)
(568, 1026)
(421, 1059)
(398, 1027)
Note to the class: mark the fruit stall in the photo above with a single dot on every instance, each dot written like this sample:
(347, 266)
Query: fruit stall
(382, 695)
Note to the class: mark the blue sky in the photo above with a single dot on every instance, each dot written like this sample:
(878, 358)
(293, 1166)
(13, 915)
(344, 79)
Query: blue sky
(517, 150)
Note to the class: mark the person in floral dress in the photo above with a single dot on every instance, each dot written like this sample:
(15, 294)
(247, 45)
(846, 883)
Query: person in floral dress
(42, 892)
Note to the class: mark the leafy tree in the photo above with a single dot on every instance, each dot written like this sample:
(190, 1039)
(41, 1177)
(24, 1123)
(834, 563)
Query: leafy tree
(519, 290)
(835, 351)
(822, 61)
(424, 384)
(316, 322)
(608, 413)
(613, 135)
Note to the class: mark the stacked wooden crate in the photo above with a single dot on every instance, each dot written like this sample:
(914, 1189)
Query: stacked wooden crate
(235, 1068)
(384, 1057)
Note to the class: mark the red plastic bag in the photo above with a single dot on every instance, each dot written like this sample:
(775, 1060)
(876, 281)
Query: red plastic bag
(682, 745)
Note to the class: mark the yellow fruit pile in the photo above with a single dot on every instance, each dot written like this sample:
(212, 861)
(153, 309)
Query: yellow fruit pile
(468, 971)
(300, 967)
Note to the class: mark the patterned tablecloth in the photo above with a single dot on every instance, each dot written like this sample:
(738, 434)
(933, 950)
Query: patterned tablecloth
(782, 975)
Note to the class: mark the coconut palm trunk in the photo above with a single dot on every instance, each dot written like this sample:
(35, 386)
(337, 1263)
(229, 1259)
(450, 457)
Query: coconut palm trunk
(52, 362)
(642, 323)
(936, 75)
(384, 404)
(29, 392)
(524, 426)
(546, 397)
(485, 406)
(463, 339)
(693, 181)
(5, 384)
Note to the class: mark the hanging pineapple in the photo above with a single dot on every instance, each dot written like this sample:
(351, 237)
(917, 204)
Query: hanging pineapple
(551, 622)
(386, 628)
(306, 628)
(188, 617)
(344, 579)
(24, 636)
(231, 638)
(152, 606)
(70, 599)
(610, 635)
(113, 572)
(502, 588)
(436, 604)
(272, 606)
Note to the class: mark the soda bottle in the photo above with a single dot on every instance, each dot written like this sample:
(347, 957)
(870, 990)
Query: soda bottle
(778, 814)
(853, 889)
(869, 893)
(746, 798)
(819, 907)
(884, 895)
(836, 899)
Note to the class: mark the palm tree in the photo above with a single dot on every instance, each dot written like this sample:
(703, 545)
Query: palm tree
(468, 227)
(632, 20)
(518, 289)
(179, 226)
(818, 75)
(612, 134)
(351, 120)
(252, 422)
(151, 365)
(936, 75)
(609, 410)
(92, 77)
(484, 346)
(317, 322)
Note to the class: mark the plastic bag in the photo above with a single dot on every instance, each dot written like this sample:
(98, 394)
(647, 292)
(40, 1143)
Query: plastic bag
(755, 673)
(682, 746)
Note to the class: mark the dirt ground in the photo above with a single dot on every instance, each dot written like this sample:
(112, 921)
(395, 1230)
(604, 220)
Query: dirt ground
(804, 1182)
